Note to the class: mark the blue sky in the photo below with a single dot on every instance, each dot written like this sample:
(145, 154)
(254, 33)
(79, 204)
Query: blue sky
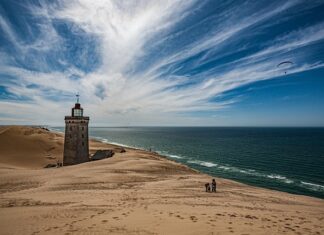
(163, 63)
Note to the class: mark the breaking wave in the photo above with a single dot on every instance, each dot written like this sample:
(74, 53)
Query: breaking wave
(115, 143)
(312, 186)
(173, 156)
(203, 163)
(234, 169)
(276, 177)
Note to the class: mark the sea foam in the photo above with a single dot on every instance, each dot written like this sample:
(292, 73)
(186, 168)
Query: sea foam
(312, 186)
(203, 163)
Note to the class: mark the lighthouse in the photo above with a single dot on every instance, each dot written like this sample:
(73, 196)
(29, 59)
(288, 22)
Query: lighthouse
(76, 141)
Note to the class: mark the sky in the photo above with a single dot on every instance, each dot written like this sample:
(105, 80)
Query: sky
(162, 63)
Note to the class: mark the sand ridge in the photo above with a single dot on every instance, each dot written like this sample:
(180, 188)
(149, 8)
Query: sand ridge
(136, 192)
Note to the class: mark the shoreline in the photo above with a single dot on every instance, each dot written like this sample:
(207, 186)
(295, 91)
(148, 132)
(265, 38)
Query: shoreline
(136, 192)
(296, 189)
(104, 141)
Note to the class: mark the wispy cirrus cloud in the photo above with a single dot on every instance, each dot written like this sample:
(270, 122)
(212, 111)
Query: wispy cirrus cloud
(146, 59)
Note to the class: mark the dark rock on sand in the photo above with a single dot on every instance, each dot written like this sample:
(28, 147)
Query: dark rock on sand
(50, 165)
(102, 154)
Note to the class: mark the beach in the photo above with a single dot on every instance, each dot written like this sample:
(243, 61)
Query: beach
(135, 192)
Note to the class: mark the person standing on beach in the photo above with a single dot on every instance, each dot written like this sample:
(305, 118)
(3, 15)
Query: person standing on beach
(214, 185)
(207, 186)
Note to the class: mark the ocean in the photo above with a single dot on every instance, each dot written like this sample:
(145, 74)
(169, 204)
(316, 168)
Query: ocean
(285, 159)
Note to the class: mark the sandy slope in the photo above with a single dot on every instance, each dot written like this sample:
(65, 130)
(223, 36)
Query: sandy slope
(29, 147)
(133, 193)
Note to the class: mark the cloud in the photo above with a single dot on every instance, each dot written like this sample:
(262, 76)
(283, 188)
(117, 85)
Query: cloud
(146, 59)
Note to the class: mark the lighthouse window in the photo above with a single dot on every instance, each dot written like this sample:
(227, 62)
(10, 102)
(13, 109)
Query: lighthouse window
(83, 128)
(77, 112)
(82, 143)
(82, 135)
(70, 128)
(70, 136)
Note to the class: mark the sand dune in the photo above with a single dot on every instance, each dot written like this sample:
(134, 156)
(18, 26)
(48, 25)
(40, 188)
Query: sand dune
(29, 147)
(33, 147)
(133, 193)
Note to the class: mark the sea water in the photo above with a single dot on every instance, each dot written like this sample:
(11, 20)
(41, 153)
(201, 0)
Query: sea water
(286, 159)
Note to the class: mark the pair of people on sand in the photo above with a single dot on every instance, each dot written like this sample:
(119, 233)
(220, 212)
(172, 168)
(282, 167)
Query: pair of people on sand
(211, 187)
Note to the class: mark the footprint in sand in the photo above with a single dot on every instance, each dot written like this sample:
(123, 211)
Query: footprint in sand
(290, 228)
(104, 221)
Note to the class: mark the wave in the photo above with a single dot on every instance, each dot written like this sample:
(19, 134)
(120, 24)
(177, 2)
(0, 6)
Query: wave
(312, 186)
(280, 178)
(123, 145)
(174, 156)
(170, 155)
(240, 170)
(203, 163)
(165, 154)
(104, 140)
(251, 172)
(55, 130)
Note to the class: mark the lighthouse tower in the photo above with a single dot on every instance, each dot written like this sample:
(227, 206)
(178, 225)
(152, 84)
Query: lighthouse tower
(76, 142)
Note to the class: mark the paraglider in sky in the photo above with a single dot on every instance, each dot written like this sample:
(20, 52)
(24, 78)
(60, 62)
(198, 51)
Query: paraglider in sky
(285, 64)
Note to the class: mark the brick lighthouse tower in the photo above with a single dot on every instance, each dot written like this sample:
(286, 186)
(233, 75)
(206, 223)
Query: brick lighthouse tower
(76, 142)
